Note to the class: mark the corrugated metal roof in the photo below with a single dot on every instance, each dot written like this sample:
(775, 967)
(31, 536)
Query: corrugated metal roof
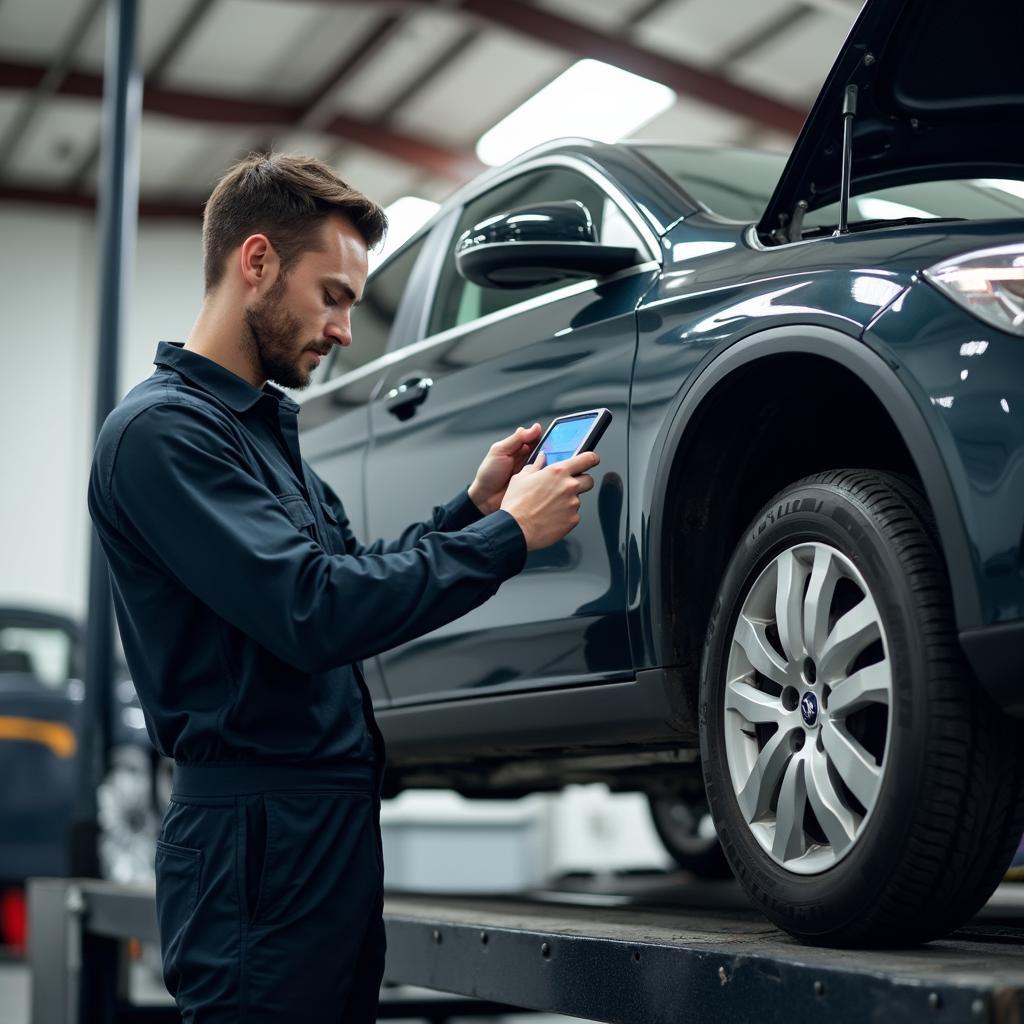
(394, 95)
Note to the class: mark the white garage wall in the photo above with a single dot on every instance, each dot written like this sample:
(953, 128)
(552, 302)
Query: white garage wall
(48, 325)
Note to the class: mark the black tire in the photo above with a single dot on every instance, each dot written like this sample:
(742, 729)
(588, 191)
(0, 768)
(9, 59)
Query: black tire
(949, 809)
(677, 821)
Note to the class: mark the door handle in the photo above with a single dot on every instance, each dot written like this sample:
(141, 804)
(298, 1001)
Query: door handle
(401, 401)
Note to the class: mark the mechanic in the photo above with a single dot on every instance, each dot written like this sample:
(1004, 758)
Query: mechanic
(246, 605)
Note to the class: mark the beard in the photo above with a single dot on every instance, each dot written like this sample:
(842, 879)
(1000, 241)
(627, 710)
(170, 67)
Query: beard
(273, 340)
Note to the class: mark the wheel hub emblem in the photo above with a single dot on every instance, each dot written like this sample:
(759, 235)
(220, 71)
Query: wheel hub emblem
(809, 709)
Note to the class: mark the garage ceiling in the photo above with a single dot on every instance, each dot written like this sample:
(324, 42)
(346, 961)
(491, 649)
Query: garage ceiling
(394, 95)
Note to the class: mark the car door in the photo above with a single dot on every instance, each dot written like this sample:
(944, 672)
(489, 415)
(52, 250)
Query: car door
(335, 413)
(492, 360)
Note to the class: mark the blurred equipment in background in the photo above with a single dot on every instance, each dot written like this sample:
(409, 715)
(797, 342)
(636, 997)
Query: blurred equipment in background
(41, 693)
(684, 824)
(42, 698)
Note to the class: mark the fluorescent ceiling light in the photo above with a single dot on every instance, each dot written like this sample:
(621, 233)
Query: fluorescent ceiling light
(592, 99)
(405, 216)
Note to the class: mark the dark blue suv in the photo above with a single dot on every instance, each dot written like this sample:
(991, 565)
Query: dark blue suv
(799, 584)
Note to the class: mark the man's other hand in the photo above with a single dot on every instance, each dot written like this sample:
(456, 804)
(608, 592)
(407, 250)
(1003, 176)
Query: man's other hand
(545, 500)
(504, 459)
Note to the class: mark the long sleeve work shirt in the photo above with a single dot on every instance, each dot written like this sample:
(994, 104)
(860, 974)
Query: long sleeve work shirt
(244, 602)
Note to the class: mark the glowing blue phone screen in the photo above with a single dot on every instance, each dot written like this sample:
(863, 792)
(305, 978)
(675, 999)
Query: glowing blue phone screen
(565, 438)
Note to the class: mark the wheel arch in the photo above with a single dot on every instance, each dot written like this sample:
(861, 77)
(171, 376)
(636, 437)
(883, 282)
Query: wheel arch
(895, 436)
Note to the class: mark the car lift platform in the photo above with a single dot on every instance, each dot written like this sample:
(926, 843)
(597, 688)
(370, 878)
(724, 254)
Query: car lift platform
(639, 948)
(658, 949)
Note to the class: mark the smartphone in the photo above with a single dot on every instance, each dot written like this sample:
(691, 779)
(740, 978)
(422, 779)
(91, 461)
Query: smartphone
(569, 435)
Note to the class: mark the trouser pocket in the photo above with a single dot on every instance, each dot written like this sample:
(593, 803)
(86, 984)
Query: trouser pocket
(257, 845)
(178, 871)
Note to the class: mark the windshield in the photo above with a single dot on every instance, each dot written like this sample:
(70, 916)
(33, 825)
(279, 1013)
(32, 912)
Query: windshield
(957, 199)
(734, 183)
(737, 184)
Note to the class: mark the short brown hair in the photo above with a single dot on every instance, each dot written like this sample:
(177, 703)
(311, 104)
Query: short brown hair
(285, 197)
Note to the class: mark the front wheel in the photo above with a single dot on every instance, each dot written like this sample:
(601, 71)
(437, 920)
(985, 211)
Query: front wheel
(853, 768)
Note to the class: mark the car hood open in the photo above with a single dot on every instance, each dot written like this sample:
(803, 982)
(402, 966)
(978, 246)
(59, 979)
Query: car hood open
(940, 95)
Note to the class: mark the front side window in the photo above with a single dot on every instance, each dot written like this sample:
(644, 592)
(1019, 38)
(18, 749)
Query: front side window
(373, 317)
(459, 301)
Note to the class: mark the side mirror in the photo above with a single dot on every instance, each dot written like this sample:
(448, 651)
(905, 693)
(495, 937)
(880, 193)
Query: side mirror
(534, 245)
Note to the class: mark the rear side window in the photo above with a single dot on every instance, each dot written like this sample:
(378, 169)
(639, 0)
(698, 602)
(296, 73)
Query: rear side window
(458, 301)
(373, 317)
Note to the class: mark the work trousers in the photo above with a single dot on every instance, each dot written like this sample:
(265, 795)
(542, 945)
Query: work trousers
(269, 891)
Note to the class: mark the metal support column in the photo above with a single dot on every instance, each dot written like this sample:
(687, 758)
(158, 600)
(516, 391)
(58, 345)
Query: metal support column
(118, 219)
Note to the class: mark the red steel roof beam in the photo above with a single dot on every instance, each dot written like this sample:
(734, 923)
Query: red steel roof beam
(437, 159)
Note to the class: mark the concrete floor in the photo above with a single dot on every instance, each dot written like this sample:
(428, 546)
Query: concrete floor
(14, 993)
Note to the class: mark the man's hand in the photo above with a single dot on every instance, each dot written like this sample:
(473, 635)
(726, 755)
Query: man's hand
(544, 500)
(505, 458)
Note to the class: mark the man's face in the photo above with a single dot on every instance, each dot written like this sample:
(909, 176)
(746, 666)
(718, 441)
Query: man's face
(307, 311)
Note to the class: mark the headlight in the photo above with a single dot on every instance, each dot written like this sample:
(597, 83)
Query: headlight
(989, 283)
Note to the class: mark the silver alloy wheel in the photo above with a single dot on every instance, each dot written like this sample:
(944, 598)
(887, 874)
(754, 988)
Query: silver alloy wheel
(808, 707)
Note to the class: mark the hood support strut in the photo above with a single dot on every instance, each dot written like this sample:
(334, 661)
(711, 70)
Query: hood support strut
(849, 112)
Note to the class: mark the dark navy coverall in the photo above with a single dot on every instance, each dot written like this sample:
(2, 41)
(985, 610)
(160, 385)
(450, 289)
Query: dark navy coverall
(245, 605)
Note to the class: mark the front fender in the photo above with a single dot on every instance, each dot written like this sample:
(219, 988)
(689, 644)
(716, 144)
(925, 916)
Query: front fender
(928, 445)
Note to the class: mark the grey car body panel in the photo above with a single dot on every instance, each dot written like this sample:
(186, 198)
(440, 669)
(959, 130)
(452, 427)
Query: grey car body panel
(651, 709)
(973, 403)
(869, 367)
